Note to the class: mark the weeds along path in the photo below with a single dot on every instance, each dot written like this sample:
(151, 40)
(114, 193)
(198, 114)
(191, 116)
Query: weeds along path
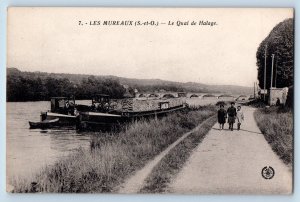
(231, 162)
(134, 183)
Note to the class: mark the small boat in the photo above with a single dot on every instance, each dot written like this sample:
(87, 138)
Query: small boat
(44, 124)
(61, 114)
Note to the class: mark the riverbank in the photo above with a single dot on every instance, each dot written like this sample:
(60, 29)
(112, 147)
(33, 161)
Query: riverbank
(276, 124)
(113, 156)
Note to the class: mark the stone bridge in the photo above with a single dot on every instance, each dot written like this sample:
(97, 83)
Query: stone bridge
(219, 96)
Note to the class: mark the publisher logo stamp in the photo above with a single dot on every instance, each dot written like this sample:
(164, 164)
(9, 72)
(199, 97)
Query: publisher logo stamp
(268, 172)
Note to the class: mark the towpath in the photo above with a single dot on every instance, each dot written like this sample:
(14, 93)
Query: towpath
(230, 162)
(135, 182)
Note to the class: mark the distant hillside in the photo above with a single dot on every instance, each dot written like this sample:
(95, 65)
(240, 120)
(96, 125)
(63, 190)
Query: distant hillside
(143, 85)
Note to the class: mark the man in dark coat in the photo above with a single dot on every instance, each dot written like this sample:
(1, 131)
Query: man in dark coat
(231, 111)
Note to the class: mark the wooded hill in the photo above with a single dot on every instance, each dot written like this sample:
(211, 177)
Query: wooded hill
(31, 86)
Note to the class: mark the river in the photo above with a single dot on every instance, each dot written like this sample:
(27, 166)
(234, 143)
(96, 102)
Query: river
(28, 150)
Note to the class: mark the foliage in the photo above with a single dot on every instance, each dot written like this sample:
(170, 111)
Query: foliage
(257, 103)
(276, 124)
(280, 42)
(290, 98)
(142, 85)
(21, 87)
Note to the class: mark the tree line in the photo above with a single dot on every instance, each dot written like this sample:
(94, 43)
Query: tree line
(40, 86)
(24, 88)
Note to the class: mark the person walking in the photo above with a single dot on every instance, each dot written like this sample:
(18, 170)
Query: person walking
(222, 115)
(231, 111)
(239, 117)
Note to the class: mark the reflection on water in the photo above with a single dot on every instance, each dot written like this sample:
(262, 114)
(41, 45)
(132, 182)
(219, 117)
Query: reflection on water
(28, 150)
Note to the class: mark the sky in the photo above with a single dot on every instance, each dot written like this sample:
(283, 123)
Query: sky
(51, 40)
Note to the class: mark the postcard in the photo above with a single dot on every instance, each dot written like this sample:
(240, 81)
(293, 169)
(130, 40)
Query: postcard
(150, 100)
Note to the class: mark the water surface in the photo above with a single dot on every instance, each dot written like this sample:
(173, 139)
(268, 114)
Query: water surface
(28, 150)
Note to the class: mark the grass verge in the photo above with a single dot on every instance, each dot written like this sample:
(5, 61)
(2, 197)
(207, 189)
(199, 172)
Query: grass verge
(113, 156)
(171, 164)
(277, 126)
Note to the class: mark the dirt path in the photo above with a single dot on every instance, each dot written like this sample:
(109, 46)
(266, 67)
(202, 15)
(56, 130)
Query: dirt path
(230, 162)
(134, 183)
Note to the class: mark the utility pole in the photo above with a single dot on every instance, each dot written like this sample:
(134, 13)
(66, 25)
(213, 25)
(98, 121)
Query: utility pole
(254, 90)
(257, 87)
(276, 74)
(265, 73)
(273, 55)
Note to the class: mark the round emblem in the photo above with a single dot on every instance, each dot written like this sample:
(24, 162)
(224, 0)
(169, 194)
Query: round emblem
(268, 172)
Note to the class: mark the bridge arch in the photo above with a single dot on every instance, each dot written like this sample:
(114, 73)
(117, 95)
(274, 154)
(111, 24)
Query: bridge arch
(194, 96)
(168, 96)
(153, 95)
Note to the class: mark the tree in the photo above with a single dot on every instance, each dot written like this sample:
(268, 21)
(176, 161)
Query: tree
(280, 42)
(290, 97)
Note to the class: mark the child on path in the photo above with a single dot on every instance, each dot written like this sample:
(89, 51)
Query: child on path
(222, 115)
(239, 117)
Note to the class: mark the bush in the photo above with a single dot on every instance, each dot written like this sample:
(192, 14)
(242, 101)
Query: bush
(290, 98)
(258, 103)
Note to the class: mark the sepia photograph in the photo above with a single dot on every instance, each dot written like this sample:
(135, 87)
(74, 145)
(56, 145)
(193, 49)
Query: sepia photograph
(150, 100)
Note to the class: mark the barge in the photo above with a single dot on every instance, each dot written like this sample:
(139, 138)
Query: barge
(100, 115)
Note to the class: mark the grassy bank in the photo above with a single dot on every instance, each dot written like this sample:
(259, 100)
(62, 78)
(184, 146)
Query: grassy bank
(277, 126)
(171, 164)
(113, 156)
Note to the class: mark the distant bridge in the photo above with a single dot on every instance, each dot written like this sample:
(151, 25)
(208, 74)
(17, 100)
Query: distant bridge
(219, 96)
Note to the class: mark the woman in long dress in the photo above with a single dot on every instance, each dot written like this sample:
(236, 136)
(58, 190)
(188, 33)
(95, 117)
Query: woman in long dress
(222, 115)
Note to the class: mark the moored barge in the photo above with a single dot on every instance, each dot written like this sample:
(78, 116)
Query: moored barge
(102, 114)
